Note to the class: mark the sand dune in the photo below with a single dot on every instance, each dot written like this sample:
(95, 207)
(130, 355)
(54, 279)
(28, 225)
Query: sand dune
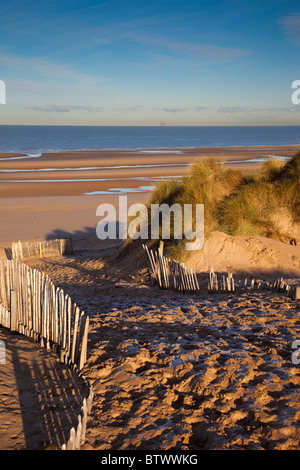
(252, 255)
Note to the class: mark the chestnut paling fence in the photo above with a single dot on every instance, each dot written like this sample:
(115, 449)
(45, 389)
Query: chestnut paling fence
(32, 305)
(24, 249)
(170, 274)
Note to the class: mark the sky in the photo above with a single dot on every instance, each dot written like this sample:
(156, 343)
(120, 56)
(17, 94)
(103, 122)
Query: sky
(192, 63)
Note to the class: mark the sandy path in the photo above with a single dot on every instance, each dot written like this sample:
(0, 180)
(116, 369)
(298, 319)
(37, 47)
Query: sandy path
(173, 371)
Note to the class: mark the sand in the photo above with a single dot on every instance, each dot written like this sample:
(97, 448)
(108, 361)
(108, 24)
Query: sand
(169, 371)
(184, 372)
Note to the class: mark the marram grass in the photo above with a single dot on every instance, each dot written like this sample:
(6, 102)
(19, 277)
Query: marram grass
(236, 204)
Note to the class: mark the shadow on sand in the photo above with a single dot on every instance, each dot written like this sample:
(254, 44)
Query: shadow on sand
(49, 396)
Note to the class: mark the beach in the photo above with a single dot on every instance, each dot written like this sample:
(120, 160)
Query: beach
(54, 194)
(170, 371)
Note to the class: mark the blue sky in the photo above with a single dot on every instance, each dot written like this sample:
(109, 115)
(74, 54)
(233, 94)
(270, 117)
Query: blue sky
(145, 62)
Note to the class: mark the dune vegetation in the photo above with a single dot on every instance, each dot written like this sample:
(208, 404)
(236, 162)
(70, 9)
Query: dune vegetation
(262, 204)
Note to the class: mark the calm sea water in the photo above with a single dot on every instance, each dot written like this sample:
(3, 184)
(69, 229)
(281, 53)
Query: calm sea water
(35, 139)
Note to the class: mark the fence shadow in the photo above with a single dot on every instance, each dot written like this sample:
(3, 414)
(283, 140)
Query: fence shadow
(50, 396)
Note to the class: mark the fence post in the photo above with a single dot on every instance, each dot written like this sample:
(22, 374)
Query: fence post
(297, 293)
(71, 441)
(83, 352)
(74, 340)
(13, 310)
(83, 421)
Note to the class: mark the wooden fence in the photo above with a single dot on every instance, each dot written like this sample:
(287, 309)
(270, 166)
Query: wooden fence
(170, 274)
(32, 305)
(77, 435)
(221, 283)
(25, 249)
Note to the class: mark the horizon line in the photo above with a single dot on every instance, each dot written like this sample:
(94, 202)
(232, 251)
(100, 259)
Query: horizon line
(153, 125)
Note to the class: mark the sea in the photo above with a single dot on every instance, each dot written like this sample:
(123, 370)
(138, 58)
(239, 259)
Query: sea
(37, 139)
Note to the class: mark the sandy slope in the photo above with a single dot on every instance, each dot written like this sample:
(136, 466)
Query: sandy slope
(252, 255)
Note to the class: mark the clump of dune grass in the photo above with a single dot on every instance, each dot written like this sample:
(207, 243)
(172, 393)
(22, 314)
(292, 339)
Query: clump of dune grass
(253, 208)
(208, 183)
(236, 204)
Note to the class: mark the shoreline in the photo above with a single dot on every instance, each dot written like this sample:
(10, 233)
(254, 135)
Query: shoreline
(99, 167)
(121, 149)
(47, 195)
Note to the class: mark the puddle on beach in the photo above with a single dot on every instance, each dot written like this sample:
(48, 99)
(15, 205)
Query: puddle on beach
(29, 155)
(177, 152)
(114, 191)
(262, 159)
(121, 191)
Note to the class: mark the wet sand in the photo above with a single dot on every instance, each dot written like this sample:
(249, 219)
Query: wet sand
(45, 195)
(75, 173)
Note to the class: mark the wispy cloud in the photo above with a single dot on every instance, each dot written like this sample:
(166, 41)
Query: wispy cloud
(56, 108)
(248, 109)
(205, 51)
(66, 109)
(44, 67)
(291, 27)
(200, 108)
(172, 109)
(234, 109)
(181, 109)
(130, 108)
